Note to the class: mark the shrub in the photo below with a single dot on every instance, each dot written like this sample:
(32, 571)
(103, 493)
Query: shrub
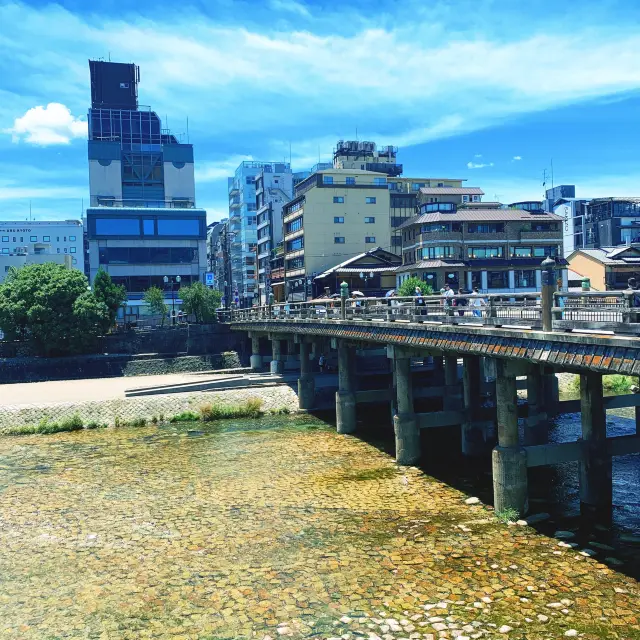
(408, 287)
(507, 515)
(138, 422)
(254, 407)
(185, 416)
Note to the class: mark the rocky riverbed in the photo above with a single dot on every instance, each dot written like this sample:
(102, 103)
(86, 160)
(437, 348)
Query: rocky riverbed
(274, 528)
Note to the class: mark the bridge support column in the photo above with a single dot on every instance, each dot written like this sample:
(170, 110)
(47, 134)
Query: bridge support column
(536, 426)
(256, 358)
(509, 459)
(405, 424)
(595, 466)
(277, 363)
(551, 391)
(476, 435)
(452, 400)
(345, 398)
(306, 381)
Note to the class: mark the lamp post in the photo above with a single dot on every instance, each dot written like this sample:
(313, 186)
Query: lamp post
(168, 280)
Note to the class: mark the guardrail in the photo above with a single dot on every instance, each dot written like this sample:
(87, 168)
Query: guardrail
(606, 312)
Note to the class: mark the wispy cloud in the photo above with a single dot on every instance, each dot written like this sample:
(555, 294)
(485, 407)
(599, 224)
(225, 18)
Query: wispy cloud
(290, 6)
(479, 165)
(53, 124)
(517, 158)
(218, 170)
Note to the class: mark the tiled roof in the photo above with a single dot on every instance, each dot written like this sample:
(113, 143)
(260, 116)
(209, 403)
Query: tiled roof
(453, 191)
(378, 254)
(482, 215)
(429, 264)
(611, 255)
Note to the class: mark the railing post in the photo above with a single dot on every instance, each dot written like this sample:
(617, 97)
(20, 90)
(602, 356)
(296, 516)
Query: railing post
(493, 312)
(628, 304)
(548, 289)
(389, 311)
(344, 294)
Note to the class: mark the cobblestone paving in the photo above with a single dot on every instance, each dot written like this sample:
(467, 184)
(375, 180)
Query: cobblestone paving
(268, 529)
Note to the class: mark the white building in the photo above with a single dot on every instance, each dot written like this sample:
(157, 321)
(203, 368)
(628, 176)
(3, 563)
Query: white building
(20, 240)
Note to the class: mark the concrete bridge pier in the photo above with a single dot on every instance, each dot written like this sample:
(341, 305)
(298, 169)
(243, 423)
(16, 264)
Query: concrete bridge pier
(277, 361)
(551, 390)
(345, 398)
(452, 400)
(477, 436)
(536, 425)
(307, 379)
(405, 423)
(595, 466)
(256, 359)
(509, 459)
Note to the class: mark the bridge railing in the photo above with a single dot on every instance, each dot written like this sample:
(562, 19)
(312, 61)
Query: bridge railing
(615, 311)
(503, 309)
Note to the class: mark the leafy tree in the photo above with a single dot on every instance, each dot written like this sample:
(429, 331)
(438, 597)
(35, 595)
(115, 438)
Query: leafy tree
(154, 297)
(112, 295)
(199, 300)
(408, 287)
(38, 305)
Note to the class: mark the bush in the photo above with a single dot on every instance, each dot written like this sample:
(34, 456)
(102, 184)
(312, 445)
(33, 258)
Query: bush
(408, 287)
(139, 422)
(185, 416)
(616, 384)
(252, 408)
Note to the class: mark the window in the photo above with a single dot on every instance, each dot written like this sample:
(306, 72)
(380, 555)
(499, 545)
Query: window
(327, 179)
(296, 263)
(250, 180)
(74, 260)
(295, 245)
(294, 225)
(338, 240)
(252, 221)
(65, 238)
(370, 200)
(441, 184)
(438, 252)
(521, 252)
(497, 280)
(338, 199)
(58, 249)
(543, 252)
(338, 219)
(5, 238)
(117, 227)
(22, 239)
(5, 251)
(14, 238)
(148, 227)
(65, 249)
(396, 241)
(465, 198)
(525, 278)
(497, 227)
(476, 198)
(33, 238)
(47, 238)
(370, 239)
(178, 227)
(350, 180)
(72, 250)
(381, 182)
(485, 252)
(124, 85)
(416, 186)
(369, 220)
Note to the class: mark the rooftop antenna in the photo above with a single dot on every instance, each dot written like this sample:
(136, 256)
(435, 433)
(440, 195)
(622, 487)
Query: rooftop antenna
(188, 130)
(109, 56)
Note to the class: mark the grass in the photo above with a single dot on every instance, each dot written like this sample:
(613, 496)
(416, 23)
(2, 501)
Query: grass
(507, 515)
(615, 384)
(252, 408)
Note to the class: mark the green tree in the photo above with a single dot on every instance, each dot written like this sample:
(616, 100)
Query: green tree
(154, 297)
(112, 295)
(199, 300)
(38, 305)
(408, 287)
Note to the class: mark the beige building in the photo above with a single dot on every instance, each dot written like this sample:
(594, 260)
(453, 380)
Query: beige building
(35, 253)
(608, 268)
(335, 214)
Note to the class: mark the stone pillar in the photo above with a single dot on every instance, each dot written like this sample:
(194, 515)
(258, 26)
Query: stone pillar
(469, 281)
(538, 280)
(484, 279)
(476, 435)
(512, 280)
(452, 400)
(551, 390)
(306, 381)
(291, 351)
(536, 426)
(256, 358)
(405, 424)
(345, 399)
(277, 363)
(595, 466)
(509, 459)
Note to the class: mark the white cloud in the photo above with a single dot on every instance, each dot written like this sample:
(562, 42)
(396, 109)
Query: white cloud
(218, 170)
(290, 6)
(50, 125)
(517, 157)
(479, 165)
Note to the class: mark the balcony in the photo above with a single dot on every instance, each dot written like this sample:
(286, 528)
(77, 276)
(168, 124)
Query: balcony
(132, 203)
(389, 168)
(541, 235)
(438, 236)
(485, 237)
(293, 215)
(293, 235)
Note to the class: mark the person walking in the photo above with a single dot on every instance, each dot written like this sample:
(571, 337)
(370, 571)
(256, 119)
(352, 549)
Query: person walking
(478, 304)
(461, 303)
(322, 362)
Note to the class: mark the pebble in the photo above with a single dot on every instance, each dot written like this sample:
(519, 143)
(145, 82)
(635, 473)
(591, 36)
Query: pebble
(472, 501)
(505, 629)
(542, 617)
(537, 517)
(564, 535)
(571, 633)
(588, 552)
(614, 561)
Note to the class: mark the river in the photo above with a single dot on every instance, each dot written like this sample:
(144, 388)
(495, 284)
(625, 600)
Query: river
(279, 527)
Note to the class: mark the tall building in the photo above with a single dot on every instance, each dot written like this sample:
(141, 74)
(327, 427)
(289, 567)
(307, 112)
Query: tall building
(335, 214)
(495, 249)
(556, 193)
(243, 228)
(142, 224)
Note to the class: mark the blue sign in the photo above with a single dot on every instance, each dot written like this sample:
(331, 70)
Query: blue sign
(208, 279)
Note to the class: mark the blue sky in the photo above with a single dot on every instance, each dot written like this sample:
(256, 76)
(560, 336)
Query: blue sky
(487, 90)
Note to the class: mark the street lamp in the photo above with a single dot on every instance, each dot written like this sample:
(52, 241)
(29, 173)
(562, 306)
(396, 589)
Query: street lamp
(365, 277)
(168, 280)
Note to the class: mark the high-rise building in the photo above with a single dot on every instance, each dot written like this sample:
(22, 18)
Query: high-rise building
(143, 225)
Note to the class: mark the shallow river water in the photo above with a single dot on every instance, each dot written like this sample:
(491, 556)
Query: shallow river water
(274, 528)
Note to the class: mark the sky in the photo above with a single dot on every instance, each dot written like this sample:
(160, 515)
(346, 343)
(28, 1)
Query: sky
(491, 91)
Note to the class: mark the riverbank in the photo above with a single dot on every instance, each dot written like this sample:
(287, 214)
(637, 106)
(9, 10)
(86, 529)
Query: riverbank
(276, 527)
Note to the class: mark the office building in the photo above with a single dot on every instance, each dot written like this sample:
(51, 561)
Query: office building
(142, 224)
(213, 234)
(21, 240)
(497, 250)
(335, 214)
(610, 222)
(556, 193)
(273, 190)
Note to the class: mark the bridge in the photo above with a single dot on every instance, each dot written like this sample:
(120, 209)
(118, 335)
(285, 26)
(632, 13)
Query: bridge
(505, 341)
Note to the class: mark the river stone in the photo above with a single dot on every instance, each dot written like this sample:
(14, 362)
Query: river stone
(564, 535)
(472, 501)
(537, 517)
